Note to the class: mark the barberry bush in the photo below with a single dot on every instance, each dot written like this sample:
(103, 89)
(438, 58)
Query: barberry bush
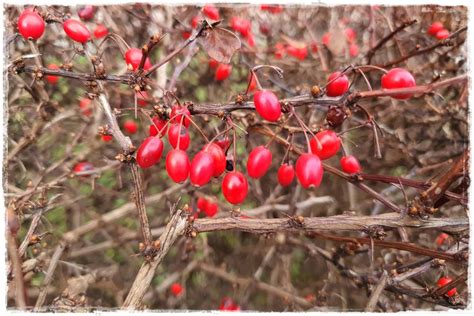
(236, 157)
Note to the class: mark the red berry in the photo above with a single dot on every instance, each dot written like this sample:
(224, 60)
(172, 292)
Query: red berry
(350, 164)
(298, 52)
(76, 30)
(250, 39)
(83, 166)
(350, 35)
(286, 174)
(85, 106)
(133, 56)
(177, 113)
(353, 50)
(149, 152)
(272, 8)
(160, 127)
(280, 50)
(442, 34)
(328, 145)
(223, 72)
(253, 84)
(202, 168)
(326, 38)
(142, 97)
(30, 24)
(441, 239)
(314, 47)
(130, 126)
(195, 21)
(175, 132)
(435, 28)
(202, 203)
(86, 13)
(177, 165)
(176, 289)
(309, 171)
(211, 209)
(265, 28)
(213, 63)
(52, 79)
(398, 78)
(185, 35)
(211, 12)
(219, 158)
(267, 105)
(337, 87)
(223, 142)
(100, 31)
(235, 187)
(107, 138)
(260, 160)
(227, 304)
(446, 280)
(240, 25)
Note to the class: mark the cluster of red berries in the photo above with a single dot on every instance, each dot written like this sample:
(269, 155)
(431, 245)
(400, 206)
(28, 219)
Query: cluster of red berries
(350, 35)
(299, 51)
(437, 30)
(228, 304)
(211, 161)
(207, 206)
(272, 8)
(446, 280)
(244, 27)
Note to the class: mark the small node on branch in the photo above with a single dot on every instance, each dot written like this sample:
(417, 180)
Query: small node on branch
(350, 248)
(438, 263)
(148, 251)
(105, 130)
(34, 239)
(66, 67)
(38, 74)
(235, 212)
(241, 98)
(315, 91)
(376, 232)
(145, 49)
(221, 114)
(92, 86)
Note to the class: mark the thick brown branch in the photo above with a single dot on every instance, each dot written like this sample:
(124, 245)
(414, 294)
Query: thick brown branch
(330, 223)
(174, 229)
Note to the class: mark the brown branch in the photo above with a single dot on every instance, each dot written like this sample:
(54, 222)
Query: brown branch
(73, 235)
(146, 50)
(446, 42)
(249, 282)
(49, 275)
(330, 223)
(438, 188)
(20, 298)
(414, 90)
(145, 275)
(389, 244)
(374, 297)
(386, 38)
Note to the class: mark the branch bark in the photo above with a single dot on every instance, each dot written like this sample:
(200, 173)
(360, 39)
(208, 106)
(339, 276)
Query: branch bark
(174, 229)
